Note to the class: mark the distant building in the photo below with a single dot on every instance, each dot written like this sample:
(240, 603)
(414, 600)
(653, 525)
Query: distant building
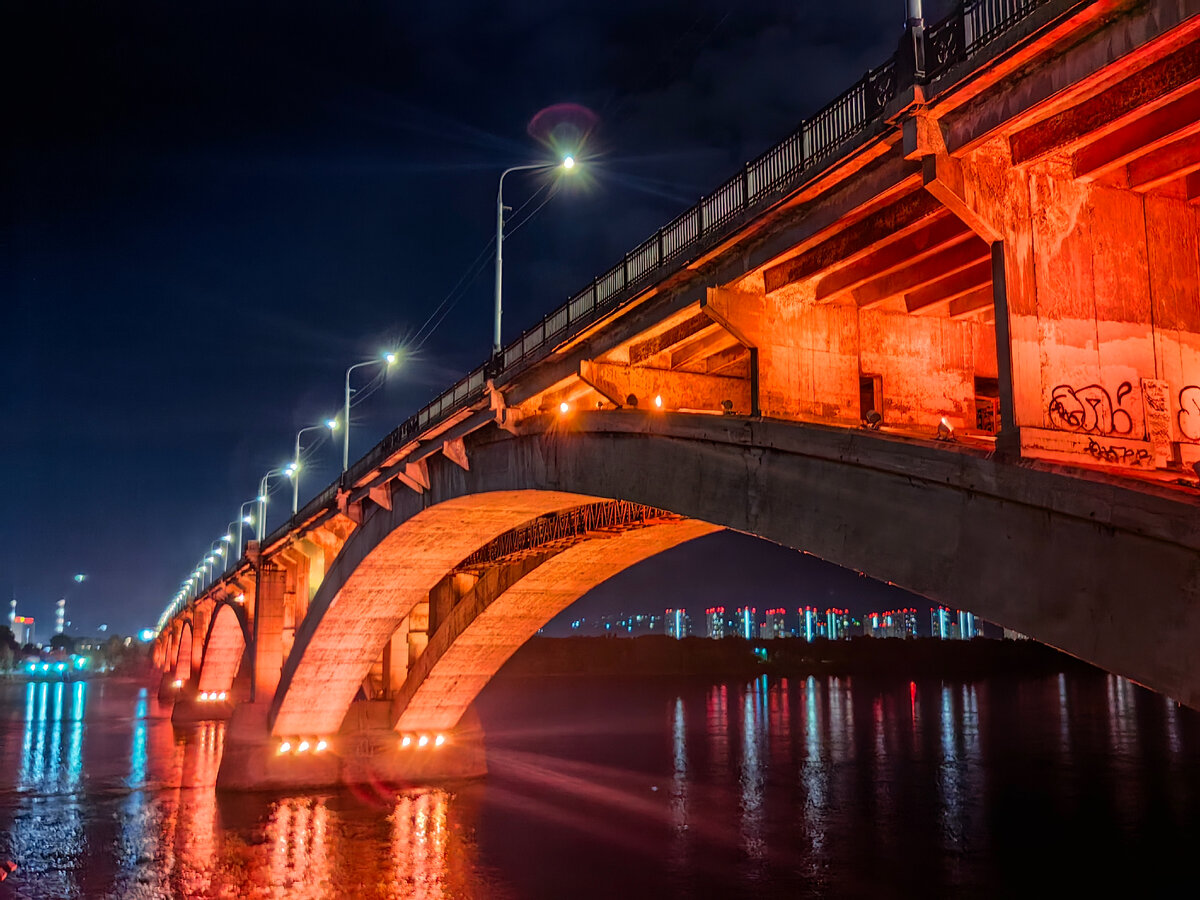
(22, 628)
(678, 623)
(1010, 635)
(837, 624)
(746, 622)
(715, 616)
(966, 625)
(952, 625)
(775, 626)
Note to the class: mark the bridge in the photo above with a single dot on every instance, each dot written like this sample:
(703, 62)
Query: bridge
(946, 334)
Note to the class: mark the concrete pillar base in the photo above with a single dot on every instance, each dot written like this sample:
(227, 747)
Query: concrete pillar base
(167, 691)
(365, 751)
(189, 708)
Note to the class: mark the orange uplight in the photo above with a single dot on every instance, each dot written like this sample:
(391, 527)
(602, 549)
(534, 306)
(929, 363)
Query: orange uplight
(564, 407)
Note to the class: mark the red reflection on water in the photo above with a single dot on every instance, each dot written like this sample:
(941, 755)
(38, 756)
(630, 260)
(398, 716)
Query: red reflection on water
(419, 845)
(300, 860)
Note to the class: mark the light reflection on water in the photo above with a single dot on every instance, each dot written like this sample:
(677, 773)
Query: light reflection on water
(764, 788)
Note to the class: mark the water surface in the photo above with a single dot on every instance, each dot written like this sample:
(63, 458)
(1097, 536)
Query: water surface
(656, 787)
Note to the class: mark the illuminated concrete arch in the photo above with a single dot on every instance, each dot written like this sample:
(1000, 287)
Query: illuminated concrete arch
(181, 664)
(224, 647)
(1055, 556)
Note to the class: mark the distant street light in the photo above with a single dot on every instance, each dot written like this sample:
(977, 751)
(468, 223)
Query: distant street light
(331, 424)
(260, 530)
(387, 359)
(568, 163)
(244, 518)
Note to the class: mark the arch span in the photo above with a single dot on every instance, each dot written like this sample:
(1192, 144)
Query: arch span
(506, 608)
(182, 667)
(1061, 555)
(224, 647)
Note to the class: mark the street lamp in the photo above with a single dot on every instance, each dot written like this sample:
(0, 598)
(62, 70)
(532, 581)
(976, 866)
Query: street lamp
(331, 424)
(387, 359)
(244, 518)
(260, 529)
(568, 163)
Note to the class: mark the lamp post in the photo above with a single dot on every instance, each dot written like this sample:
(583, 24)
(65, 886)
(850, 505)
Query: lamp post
(568, 163)
(260, 528)
(387, 359)
(244, 518)
(331, 424)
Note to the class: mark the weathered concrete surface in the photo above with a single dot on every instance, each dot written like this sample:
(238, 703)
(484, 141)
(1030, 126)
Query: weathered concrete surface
(492, 621)
(388, 566)
(1064, 559)
(223, 650)
(365, 751)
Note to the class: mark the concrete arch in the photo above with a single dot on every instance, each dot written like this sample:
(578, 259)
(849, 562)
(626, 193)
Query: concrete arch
(224, 646)
(1059, 555)
(182, 666)
(507, 609)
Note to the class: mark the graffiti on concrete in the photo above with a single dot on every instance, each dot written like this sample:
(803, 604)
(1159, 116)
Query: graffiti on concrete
(1090, 409)
(1116, 455)
(1189, 412)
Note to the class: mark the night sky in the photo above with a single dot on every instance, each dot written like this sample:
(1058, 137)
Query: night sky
(210, 210)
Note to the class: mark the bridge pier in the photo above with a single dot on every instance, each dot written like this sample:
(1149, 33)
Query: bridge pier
(196, 706)
(366, 750)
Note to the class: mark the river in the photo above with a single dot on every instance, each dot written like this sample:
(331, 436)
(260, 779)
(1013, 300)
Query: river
(651, 787)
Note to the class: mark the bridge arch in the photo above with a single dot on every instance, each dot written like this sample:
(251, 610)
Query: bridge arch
(224, 647)
(1060, 556)
(181, 664)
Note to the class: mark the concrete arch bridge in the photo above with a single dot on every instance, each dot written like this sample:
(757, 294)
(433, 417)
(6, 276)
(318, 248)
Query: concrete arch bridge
(946, 334)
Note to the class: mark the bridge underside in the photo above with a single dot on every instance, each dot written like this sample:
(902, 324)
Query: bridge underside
(961, 353)
(1065, 561)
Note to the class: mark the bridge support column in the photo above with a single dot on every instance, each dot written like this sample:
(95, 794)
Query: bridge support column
(366, 750)
(268, 632)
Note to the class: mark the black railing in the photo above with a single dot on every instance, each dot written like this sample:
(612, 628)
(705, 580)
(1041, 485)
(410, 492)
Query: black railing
(817, 143)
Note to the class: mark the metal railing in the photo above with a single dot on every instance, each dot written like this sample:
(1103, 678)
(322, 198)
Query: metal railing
(817, 143)
(554, 528)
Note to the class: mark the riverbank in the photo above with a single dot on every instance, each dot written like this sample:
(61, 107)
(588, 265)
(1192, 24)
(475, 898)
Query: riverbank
(660, 655)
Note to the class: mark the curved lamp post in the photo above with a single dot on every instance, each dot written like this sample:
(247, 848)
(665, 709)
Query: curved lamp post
(331, 424)
(387, 359)
(568, 163)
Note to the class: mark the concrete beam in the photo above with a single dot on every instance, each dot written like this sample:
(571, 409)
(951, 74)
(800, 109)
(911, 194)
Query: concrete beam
(1121, 104)
(944, 231)
(909, 213)
(944, 179)
(678, 390)
(950, 261)
(1152, 131)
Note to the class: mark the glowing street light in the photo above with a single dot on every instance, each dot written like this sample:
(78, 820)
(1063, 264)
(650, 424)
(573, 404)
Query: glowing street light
(388, 359)
(331, 424)
(261, 529)
(567, 164)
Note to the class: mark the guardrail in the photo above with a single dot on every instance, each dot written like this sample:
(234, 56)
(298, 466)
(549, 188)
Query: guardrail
(819, 140)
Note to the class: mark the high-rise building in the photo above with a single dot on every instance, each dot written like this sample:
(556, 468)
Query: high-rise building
(679, 623)
(716, 621)
(966, 625)
(22, 629)
(746, 627)
(837, 624)
(808, 623)
(775, 626)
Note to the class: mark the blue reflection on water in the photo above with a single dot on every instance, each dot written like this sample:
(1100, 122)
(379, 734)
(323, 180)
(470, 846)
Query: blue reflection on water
(137, 756)
(43, 768)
